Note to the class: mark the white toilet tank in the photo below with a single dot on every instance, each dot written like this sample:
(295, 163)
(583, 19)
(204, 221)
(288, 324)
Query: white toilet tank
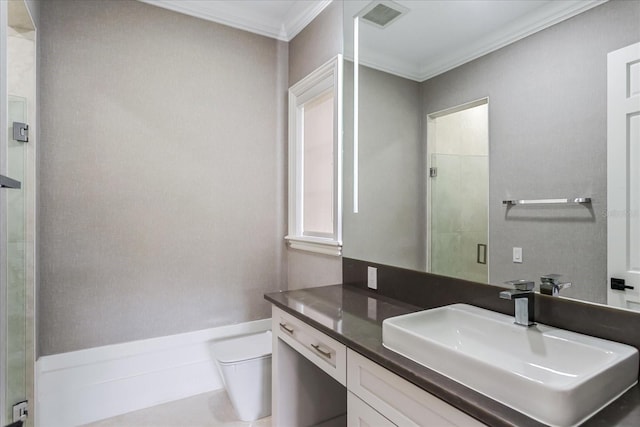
(245, 364)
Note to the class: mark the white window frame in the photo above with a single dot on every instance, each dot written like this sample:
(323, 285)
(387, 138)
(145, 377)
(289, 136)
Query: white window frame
(326, 77)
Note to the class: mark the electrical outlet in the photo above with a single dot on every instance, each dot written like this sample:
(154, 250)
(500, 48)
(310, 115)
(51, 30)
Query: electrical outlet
(517, 255)
(372, 277)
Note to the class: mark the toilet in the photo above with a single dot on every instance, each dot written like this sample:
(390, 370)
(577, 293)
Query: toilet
(245, 365)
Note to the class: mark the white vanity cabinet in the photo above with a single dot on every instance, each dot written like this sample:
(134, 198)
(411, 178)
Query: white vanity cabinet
(395, 399)
(359, 414)
(318, 381)
(319, 348)
(309, 375)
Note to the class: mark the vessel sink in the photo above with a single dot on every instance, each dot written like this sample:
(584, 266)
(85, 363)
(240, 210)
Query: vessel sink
(557, 377)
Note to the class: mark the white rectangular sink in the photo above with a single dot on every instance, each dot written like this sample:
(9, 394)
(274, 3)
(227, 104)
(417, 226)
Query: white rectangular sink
(557, 377)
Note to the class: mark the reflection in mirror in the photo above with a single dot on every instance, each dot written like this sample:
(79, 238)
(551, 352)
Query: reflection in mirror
(457, 191)
(542, 66)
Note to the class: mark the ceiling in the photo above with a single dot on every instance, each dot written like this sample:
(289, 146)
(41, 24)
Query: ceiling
(278, 19)
(439, 35)
(433, 37)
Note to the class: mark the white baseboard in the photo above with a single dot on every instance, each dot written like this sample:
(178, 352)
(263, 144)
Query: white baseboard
(89, 385)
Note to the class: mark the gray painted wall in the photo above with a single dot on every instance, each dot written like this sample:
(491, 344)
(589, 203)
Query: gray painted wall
(389, 227)
(161, 173)
(320, 41)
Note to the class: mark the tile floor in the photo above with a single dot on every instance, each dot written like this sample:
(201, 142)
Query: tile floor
(204, 410)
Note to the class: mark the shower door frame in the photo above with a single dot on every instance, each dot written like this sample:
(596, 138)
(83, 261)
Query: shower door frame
(4, 97)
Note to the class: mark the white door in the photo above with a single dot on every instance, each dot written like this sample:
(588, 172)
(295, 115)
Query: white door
(623, 177)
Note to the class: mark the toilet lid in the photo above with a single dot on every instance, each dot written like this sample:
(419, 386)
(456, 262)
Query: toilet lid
(243, 348)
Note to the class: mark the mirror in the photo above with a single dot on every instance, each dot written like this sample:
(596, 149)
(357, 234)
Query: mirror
(540, 69)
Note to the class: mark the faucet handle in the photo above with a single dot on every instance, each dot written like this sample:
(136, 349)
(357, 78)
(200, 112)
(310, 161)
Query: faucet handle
(521, 284)
(551, 284)
(552, 279)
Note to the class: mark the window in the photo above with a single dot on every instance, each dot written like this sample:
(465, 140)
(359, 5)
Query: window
(315, 161)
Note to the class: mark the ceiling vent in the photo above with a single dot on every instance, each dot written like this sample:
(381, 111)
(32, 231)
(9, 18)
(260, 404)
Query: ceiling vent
(382, 13)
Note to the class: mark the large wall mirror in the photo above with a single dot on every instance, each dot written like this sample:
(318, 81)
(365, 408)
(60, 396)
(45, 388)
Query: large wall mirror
(462, 105)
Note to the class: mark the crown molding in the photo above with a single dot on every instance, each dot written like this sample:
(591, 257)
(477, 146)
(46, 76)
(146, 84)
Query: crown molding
(558, 12)
(233, 14)
(535, 22)
(297, 23)
(389, 65)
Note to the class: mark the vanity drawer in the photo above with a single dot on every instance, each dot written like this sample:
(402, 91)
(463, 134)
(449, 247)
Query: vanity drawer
(359, 414)
(403, 403)
(322, 350)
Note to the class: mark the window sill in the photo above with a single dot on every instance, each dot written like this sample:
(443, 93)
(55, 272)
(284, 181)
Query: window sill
(315, 244)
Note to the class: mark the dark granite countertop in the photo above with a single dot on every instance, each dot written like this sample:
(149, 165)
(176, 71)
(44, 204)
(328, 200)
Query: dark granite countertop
(354, 317)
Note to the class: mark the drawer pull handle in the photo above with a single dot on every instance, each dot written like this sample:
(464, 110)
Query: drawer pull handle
(286, 328)
(325, 353)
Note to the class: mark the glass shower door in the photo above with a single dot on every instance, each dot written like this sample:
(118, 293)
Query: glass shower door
(15, 214)
(459, 222)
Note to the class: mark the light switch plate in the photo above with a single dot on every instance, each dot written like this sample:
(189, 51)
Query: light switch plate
(372, 277)
(517, 255)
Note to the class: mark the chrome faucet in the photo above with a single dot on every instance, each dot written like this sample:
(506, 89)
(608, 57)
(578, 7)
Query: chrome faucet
(551, 284)
(523, 296)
